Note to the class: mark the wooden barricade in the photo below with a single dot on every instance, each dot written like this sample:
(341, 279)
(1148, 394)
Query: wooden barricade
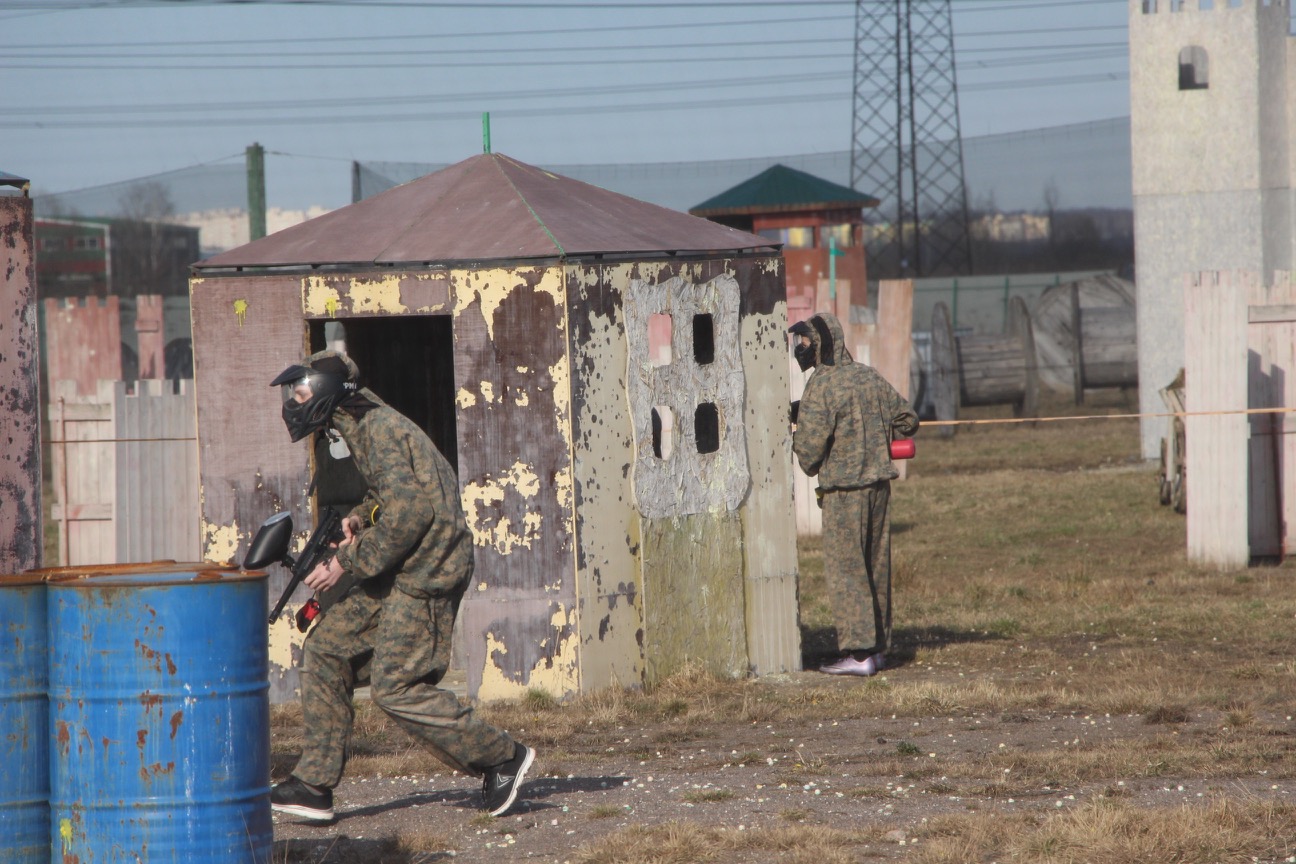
(125, 472)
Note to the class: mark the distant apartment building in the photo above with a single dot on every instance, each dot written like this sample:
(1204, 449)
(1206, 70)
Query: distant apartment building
(114, 298)
(113, 258)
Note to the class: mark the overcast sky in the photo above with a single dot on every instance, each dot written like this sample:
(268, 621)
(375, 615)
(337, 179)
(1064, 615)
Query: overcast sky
(103, 91)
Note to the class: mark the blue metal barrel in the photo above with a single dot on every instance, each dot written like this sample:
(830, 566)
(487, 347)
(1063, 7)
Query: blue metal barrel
(24, 722)
(160, 718)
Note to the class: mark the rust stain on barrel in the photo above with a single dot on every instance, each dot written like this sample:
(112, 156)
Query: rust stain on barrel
(176, 719)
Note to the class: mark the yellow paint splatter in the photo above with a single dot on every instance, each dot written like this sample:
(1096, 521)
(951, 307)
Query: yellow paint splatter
(65, 832)
(317, 295)
(240, 311)
(559, 677)
(220, 542)
(478, 501)
(331, 305)
(284, 636)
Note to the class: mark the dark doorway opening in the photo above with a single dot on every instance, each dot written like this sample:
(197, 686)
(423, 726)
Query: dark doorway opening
(409, 362)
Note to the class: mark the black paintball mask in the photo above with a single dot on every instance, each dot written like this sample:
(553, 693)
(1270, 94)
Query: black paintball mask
(312, 393)
(805, 354)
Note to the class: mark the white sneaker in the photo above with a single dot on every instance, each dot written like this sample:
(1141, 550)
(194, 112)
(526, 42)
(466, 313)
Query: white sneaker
(850, 666)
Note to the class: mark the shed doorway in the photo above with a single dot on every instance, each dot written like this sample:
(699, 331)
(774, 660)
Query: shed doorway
(406, 360)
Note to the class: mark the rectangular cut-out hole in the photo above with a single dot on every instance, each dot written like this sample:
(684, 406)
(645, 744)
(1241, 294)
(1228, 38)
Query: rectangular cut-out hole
(659, 339)
(706, 427)
(663, 431)
(703, 339)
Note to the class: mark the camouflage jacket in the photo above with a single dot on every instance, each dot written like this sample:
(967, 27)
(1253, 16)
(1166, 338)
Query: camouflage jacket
(412, 514)
(849, 415)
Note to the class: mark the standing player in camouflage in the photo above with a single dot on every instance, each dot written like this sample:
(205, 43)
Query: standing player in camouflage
(408, 547)
(846, 420)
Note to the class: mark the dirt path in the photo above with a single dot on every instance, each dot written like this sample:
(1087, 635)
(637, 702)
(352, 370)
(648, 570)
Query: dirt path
(882, 776)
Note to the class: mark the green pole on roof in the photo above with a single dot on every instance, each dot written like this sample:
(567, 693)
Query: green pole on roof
(485, 131)
(255, 156)
(832, 269)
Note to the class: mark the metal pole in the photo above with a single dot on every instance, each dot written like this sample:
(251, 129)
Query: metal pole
(256, 192)
(485, 131)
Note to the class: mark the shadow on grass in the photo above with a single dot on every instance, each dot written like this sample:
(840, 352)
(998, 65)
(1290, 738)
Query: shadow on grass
(819, 644)
(348, 850)
(530, 797)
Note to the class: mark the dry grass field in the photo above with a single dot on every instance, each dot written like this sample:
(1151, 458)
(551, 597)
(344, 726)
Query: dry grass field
(1068, 689)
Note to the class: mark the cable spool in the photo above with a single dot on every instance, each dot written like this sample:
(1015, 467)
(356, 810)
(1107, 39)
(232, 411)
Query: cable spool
(1086, 335)
(970, 371)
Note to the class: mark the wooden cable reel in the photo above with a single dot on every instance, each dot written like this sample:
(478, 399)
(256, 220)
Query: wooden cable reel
(970, 371)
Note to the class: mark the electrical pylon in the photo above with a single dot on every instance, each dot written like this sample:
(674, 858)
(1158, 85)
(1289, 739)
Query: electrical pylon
(906, 147)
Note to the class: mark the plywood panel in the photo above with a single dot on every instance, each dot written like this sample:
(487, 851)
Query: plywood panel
(1216, 375)
(20, 463)
(513, 380)
(246, 329)
(83, 342)
(157, 472)
(693, 595)
(84, 472)
(893, 342)
(609, 578)
(1271, 344)
(769, 527)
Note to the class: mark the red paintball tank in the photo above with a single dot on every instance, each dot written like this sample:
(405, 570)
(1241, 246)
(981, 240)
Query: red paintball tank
(903, 448)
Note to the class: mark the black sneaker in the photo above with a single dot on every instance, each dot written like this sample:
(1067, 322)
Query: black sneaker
(296, 798)
(500, 789)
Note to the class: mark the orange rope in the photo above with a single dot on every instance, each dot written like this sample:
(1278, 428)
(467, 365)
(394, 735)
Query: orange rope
(927, 423)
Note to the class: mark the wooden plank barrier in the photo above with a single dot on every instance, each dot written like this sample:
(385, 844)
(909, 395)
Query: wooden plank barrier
(125, 470)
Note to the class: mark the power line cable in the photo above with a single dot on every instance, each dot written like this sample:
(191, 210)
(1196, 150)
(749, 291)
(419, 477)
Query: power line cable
(183, 51)
(18, 63)
(335, 119)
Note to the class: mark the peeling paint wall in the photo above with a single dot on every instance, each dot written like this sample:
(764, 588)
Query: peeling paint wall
(706, 586)
(512, 372)
(349, 295)
(20, 465)
(769, 523)
(608, 549)
(246, 330)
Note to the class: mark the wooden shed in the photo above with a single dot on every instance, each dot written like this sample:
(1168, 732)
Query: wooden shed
(631, 508)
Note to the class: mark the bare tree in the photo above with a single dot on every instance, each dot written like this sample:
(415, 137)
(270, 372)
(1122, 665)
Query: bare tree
(142, 261)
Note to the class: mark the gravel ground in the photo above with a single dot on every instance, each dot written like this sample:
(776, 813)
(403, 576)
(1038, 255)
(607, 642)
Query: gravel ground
(840, 774)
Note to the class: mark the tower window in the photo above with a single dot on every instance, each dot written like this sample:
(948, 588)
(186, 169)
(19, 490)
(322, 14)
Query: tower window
(663, 428)
(706, 427)
(1194, 73)
(703, 339)
(659, 339)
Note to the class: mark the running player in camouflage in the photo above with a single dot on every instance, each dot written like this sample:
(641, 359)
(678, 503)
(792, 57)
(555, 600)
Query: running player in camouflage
(409, 550)
(846, 420)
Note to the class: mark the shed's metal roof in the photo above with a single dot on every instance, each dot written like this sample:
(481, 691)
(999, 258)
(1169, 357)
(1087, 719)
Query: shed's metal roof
(780, 189)
(7, 179)
(488, 207)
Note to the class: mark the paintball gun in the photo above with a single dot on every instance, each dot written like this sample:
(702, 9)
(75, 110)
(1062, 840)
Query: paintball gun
(270, 546)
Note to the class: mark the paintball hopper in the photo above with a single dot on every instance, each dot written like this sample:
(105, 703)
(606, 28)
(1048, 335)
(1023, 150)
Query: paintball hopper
(270, 545)
(901, 448)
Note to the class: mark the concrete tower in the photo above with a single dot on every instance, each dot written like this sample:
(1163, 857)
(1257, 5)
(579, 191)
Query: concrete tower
(1211, 122)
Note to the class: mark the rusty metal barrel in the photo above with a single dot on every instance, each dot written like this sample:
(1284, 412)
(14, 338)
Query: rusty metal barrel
(159, 717)
(24, 704)
(24, 722)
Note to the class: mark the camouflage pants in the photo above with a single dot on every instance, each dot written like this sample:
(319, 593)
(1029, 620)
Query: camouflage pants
(857, 565)
(400, 646)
